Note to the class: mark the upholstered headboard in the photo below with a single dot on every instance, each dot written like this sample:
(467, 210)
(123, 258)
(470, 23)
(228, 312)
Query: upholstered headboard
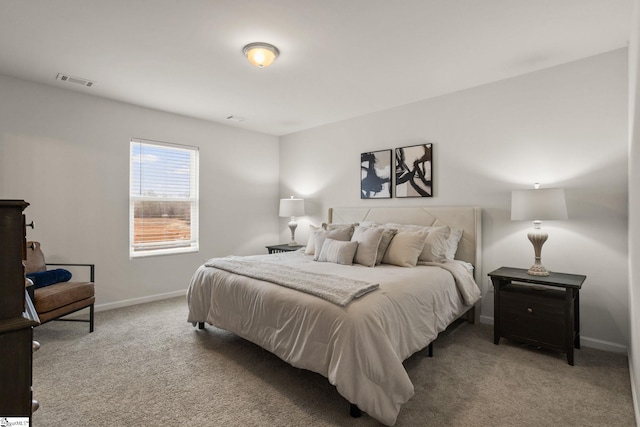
(463, 217)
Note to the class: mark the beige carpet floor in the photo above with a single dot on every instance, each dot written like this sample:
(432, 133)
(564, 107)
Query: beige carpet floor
(146, 366)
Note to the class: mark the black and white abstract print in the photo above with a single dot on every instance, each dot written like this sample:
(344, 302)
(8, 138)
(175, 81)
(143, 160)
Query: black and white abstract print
(375, 175)
(414, 171)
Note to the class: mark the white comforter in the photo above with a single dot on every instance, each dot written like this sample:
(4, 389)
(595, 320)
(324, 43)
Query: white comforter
(359, 348)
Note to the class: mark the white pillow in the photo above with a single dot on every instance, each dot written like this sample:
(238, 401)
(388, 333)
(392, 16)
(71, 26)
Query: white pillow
(435, 247)
(341, 234)
(338, 252)
(405, 247)
(311, 241)
(368, 239)
(452, 243)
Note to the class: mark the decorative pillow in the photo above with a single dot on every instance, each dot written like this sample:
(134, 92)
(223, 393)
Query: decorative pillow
(336, 251)
(407, 227)
(405, 247)
(311, 241)
(387, 236)
(342, 234)
(368, 239)
(435, 247)
(367, 223)
(348, 227)
(49, 277)
(452, 243)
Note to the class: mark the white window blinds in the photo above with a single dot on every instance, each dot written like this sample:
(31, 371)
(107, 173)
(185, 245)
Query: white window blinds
(163, 198)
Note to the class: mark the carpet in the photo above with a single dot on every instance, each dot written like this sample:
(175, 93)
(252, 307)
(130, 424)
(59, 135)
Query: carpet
(144, 365)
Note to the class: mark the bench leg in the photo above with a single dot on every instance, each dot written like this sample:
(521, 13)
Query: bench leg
(91, 318)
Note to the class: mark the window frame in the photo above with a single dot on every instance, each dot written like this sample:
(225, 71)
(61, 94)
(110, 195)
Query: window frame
(167, 247)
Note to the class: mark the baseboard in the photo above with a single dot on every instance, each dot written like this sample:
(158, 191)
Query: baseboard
(585, 341)
(634, 391)
(486, 320)
(141, 300)
(603, 345)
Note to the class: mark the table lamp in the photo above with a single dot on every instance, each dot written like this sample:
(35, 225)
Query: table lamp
(292, 208)
(537, 205)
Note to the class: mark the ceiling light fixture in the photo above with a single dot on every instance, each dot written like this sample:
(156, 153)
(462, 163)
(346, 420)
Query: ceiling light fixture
(261, 54)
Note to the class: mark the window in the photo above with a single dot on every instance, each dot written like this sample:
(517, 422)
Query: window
(163, 199)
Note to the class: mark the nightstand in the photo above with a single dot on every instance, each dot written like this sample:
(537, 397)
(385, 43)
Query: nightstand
(282, 248)
(540, 310)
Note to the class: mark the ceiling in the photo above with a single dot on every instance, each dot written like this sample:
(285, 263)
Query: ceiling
(339, 58)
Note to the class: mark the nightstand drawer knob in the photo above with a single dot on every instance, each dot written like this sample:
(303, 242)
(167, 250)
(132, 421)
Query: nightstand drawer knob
(529, 310)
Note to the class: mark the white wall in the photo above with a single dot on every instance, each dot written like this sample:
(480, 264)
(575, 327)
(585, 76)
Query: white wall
(634, 207)
(565, 126)
(67, 154)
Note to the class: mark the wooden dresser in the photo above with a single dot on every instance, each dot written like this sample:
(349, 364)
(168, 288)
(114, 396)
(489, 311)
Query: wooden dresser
(17, 315)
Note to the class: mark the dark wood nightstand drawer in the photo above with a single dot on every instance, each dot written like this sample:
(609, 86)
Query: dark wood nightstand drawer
(533, 315)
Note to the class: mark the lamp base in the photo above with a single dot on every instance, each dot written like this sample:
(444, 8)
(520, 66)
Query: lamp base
(538, 270)
(292, 226)
(537, 237)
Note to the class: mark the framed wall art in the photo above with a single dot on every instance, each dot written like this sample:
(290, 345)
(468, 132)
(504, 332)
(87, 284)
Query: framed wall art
(414, 171)
(375, 175)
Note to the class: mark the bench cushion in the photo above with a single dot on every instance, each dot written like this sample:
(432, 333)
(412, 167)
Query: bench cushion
(62, 294)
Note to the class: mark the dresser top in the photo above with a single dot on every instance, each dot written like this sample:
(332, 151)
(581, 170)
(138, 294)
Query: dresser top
(553, 279)
(13, 203)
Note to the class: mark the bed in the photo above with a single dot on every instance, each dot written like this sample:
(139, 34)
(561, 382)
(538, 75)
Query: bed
(357, 341)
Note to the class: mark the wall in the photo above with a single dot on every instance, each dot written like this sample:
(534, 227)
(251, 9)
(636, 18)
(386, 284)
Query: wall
(67, 154)
(565, 126)
(634, 207)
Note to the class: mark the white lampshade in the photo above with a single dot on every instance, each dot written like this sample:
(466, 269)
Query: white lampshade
(291, 207)
(540, 204)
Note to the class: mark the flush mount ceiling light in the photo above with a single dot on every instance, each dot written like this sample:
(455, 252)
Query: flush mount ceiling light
(261, 54)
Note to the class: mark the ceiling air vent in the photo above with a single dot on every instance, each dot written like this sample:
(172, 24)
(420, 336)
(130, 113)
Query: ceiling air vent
(77, 80)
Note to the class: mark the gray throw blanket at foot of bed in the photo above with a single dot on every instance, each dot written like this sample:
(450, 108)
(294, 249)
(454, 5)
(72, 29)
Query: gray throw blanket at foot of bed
(338, 290)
